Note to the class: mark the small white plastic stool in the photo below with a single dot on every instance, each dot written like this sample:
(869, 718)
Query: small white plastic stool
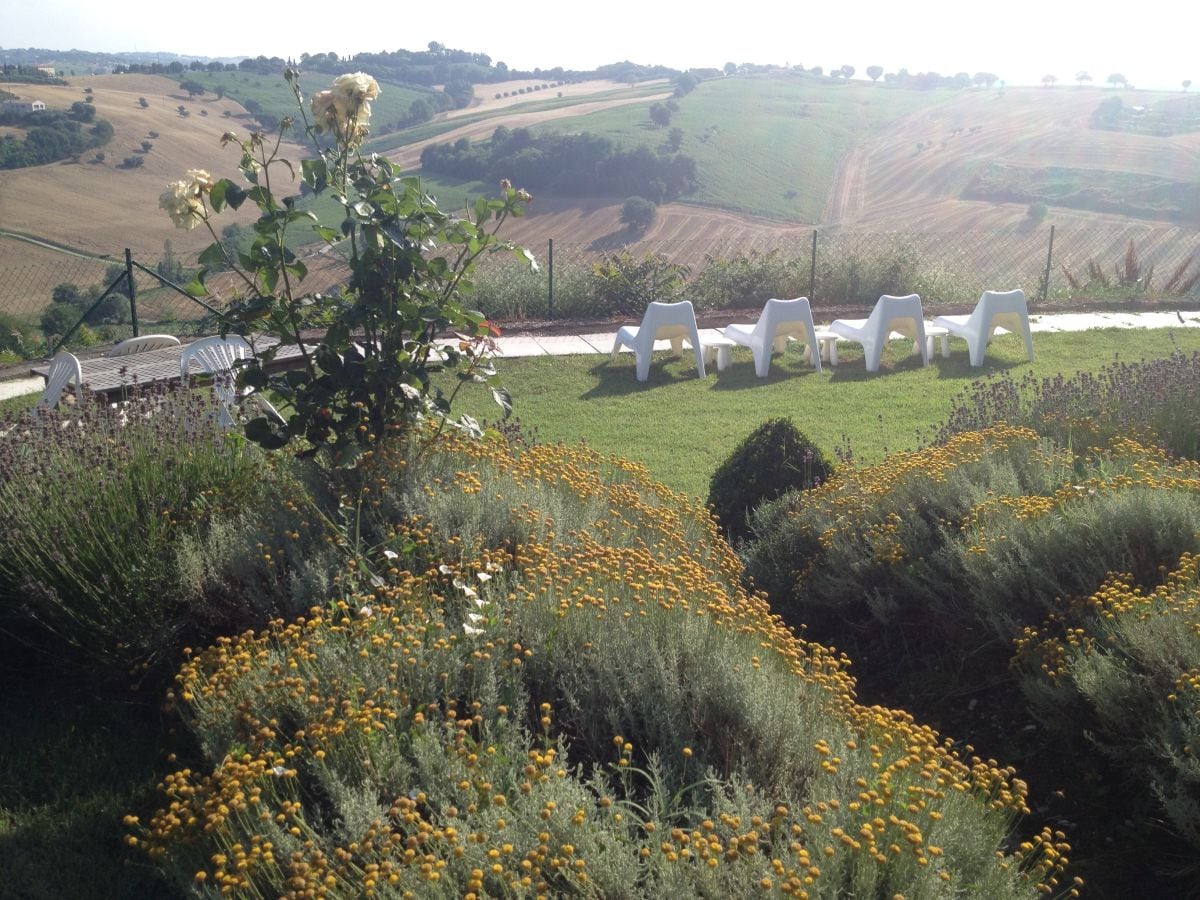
(717, 348)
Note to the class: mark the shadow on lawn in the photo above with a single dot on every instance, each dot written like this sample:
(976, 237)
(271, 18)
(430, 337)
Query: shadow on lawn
(618, 380)
(77, 758)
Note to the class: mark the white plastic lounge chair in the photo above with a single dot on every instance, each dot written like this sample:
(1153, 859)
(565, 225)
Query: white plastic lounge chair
(64, 369)
(779, 320)
(899, 314)
(143, 343)
(674, 322)
(995, 309)
(217, 356)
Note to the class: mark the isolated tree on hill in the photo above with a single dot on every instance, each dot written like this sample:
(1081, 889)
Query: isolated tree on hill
(193, 88)
(730, 68)
(817, 70)
(874, 72)
(847, 72)
(660, 115)
(1117, 78)
(685, 84)
(1082, 76)
(639, 214)
(1048, 80)
(1187, 83)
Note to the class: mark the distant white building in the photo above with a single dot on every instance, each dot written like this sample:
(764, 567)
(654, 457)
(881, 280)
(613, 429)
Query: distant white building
(47, 70)
(23, 106)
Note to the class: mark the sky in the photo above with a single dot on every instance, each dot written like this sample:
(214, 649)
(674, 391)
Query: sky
(1151, 43)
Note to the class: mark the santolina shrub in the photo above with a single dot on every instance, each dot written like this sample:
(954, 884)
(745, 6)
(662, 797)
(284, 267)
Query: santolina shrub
(1115, 676)
(586, 703)
(970, 540)
(932, 564)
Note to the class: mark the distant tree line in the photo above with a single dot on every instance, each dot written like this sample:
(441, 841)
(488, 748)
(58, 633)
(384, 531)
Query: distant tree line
(18, 74)
(51, 135)
(437, 66)
(575, 164)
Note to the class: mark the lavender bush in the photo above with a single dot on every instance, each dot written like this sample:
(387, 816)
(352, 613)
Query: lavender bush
(1153, 400)
(96, 500)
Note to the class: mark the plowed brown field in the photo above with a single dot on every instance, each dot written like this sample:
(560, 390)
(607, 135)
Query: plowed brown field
(887, 183)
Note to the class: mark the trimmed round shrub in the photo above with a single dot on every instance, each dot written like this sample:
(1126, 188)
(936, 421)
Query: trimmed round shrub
(773, 459)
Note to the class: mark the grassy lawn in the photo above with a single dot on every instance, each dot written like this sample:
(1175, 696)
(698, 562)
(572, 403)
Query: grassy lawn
(682, 427)
(75, 763)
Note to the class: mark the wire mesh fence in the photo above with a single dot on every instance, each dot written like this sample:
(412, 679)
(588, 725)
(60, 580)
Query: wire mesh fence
(834, 267)
(840, 267)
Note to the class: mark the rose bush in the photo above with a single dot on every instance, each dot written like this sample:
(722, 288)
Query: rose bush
(409, 263)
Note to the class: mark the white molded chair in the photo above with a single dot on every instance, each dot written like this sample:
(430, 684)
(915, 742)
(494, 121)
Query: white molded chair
(995, 309)
(674, 322)
(217, 356)
(899, 314)
(64, 369)
(143, 343)
(779, 320)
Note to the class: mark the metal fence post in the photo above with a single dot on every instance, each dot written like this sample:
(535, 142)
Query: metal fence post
(550, 280)
(132, 290)
(1049, 262)
(812, 272)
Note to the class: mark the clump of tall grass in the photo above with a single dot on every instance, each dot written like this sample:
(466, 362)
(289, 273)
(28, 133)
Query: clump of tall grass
(586, 702)
(848, 274)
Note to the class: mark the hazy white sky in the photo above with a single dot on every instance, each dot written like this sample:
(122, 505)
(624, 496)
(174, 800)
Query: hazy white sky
(1152, 43)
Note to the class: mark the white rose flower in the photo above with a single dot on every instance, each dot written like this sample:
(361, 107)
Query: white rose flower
(182, 202)
(324, 107)
(199, 182)
(355, 87)
(346, 106)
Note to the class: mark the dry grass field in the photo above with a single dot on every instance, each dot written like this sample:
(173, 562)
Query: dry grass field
(101, 207)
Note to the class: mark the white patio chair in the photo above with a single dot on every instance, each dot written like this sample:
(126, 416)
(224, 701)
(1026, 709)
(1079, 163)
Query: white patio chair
(995, 309)
(142, 343)
(64, 369)
(899, 314)
(779, 320)
(217, 356)
(674, 322)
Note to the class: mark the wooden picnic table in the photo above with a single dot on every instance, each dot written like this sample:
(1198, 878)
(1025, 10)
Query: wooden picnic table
(116, 375)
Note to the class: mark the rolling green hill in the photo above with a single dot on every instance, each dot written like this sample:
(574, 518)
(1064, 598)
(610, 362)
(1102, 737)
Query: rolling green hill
(765, 145)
